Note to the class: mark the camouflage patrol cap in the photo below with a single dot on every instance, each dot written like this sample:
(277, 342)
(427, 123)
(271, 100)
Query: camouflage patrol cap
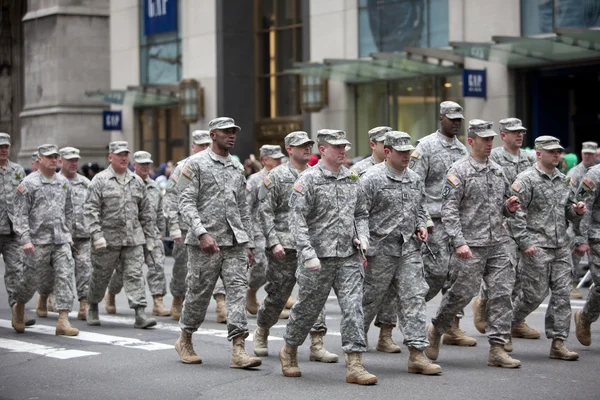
(48, 150)
(271, 151)
(481, 128)
(378, 134)
(451, 110)
(511, 125)
(4, 138)
(222, 123)
(332, 136)
(589, 147)
(297, 138)
(548, 143)
(399, 141)
(69, 153)
(34, 156)
(201, 137)
(118, 147)
(142, 157)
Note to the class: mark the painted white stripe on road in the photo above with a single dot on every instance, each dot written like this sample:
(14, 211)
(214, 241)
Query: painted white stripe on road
(16, 346)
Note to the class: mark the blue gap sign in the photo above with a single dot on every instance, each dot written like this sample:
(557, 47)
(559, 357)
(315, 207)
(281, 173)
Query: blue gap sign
(474, 83)
(160, 16)
(112, 120)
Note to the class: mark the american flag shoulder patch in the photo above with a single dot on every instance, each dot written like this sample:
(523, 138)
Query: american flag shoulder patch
(516, 186)
(186, 172)
(298, 187)
(21, 189)
(453, 179)
(589, 183)
(267, 181)
(175, 177)
(415, 154)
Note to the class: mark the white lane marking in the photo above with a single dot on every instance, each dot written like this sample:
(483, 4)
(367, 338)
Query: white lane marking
(16, 346)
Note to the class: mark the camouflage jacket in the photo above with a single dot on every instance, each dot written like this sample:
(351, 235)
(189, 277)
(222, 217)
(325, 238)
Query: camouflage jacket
(396, 209)
(43, 210)
(576, 174)
(588, 193)
(155, 199)
(10, 177)
(363, 165)
(510, 167)
(253, 184)
(173, 218)
(79, 189)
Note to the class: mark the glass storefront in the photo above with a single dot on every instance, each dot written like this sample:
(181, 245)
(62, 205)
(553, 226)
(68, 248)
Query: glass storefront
(542, 16)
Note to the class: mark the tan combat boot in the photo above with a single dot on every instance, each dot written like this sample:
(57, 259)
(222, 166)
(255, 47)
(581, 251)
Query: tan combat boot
(176, 306)
(523, 331)
(508, 347)
(185, 349)
(18, 317)
(456, 337)
(355, 372)
(318, 352)
(159, 308)
(239, 357)
(386, 344)
(560, 352)
(499, 358)
(288, 356)
(582, 329)
(109, 303)
(479, 314)
(51, 302)
(251, 301)
(83, 305)
(433, 336)
(221, 309)
(576, 293)
(284, 314)
(418, 363)
(63, 327)
(261, 342)
(290, 302)
(42, 306)
(92, 317)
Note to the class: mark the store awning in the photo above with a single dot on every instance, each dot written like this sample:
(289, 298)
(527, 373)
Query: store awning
(137, 96)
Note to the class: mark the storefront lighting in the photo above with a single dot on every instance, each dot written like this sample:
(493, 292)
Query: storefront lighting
(314, 93)
(409, 89)
(191, 100)
(448, 85)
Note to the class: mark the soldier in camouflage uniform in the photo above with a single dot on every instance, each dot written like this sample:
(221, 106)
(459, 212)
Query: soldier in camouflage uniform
(34, 161)
(273, 216)
(43, 217)
(395, 199)
(328, 218)
(540, 229)
(474, 202)
(376, 137)
(155, 258)
(121, 222)
(270, 156)
(219, 241)
(431, 159)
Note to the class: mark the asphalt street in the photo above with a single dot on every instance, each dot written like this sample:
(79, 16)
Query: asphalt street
(116, 361)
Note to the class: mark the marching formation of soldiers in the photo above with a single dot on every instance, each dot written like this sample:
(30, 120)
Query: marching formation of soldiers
(387, 236)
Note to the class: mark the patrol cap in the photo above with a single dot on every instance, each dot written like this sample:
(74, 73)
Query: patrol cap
(297, 138)
(142, 157)
(34, 156)
(271, 151)
(451, 110)
(548, 143)
(589, 147)
(201, 137)
(481, 128)
(48, 150)
(511, 125)
(223, 123)
(378, 134)
(399, 141)
(332, 136)
(69, 153)
(118, 147)
(4, 138)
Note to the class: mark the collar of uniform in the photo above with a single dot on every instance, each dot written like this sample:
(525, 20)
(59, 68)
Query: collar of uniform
(9, 167)
(477, 165)
(344, 172)
(216, 158)
(444, 142)
(46, 180)
(404, 178)
(128, 174)
(75, 180)
(150, 183)
(509, 157)
(556, 173)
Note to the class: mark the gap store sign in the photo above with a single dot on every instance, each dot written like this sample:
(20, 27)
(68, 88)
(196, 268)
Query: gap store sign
(160, 16)
(474, 83)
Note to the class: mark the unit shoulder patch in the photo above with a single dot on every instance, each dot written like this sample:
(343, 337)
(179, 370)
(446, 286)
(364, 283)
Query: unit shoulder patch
(453, 179)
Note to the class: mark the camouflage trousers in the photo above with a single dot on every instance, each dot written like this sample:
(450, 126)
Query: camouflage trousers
(404, 277)
(345, 276)
(82, 254)
(155, 262)
(492, 264)
(130, 259)
(281, 278)
(257, 272)
(548, 270)
(515, 259)
(591, 310)
(49, 263)
(436, 269)
(13, 264)
(203, 271)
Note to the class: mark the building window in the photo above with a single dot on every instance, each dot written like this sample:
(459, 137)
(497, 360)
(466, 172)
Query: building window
(543, 16)
(393, 25)
(278, 45)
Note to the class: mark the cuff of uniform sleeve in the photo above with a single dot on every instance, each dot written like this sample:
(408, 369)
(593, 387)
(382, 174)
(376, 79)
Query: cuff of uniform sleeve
(308, 253)
(525, 244)
(25, 239)
(97, 236)
(272, 241)
(175, 233)
(580, 240)
(199, 231)
(459, 241)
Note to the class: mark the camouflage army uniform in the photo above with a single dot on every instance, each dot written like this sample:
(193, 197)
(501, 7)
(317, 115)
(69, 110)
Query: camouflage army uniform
(431, 159)
(120, 213)
(273, 217)
(324, 210)
(10, 177)
(256, 273)
(577, 173)
(474, 196)
(155, 259)
(43, 217)
(396, 206)
(546, 204)
(363, 165)
(214, 203)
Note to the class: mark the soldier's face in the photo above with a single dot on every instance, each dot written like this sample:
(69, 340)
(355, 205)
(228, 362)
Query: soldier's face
(378, 149)
(4, 149)
(481, 147)
(512, 140)
(271, 163)
(397, 159)
(300, 154)
(35, 165)
(197, 148)
(224, 138)
(48, 163)
(333, 153)
(143, 170)
(119, 162)
(549, 158)
(70, 167)
(450, 127)
(588, 159)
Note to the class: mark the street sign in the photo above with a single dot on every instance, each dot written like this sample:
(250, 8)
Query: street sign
(160, 16)
(112, 120)
(474, 83)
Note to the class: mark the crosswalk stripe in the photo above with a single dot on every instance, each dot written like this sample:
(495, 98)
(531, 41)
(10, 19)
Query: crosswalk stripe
(17, 346)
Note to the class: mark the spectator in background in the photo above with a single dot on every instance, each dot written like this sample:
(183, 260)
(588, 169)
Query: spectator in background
(89, 170)
(251, 165)
(163, 173)
(313, 160)
(568, 161)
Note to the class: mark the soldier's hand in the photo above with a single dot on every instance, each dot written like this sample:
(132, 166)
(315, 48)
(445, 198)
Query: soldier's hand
(100, 244)
(278, 252)
(208, 244)
(580, 208)
(422, 234)
(29, 248)
(250, 254)
(530, 252)
(430, 226)
(313, 265)
(464, 252)
(513, 204)
(176, 236)
(582, 249)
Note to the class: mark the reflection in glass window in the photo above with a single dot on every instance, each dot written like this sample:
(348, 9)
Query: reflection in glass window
(543, 16)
